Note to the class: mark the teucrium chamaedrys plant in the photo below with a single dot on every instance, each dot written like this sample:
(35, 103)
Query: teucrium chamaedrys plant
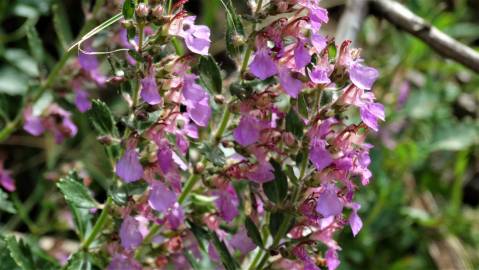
(257, 172)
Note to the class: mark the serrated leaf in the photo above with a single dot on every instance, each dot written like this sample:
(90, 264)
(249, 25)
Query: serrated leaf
(128, 9)
(294, 124)
(28, 256)
(102, 118)
(81, 220)
(5, 204)
(253, 232)
(5, 258)
(277, 189)
(75, 192)
(234, 28)
(210, 74)
(228, 261)
(79, 261)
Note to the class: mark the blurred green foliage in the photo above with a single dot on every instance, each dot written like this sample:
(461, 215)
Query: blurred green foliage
(423, 200)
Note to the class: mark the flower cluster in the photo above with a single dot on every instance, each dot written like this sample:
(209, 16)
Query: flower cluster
(276, 178)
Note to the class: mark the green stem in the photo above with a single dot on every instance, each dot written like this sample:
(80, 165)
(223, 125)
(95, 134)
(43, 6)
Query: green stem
(223, 124)
(99, 225)
(190, 183)
(169, 6)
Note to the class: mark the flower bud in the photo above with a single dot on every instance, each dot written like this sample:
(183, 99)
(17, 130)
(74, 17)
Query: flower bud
(199, 167)
(105, 139)
(220, 99)
(142, 10)
(158, 11)
(115, 80)
(288, 138)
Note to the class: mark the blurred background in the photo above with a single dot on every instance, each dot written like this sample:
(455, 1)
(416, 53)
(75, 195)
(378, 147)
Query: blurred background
(419, 212)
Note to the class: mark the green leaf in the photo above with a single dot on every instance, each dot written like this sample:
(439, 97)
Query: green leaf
(214, 154)
(102, 118)
(234, 28)
(81, 219)
(5, 258)
(28, 256)
(35, 44)
(294, 124)
(20, 253)
(13, 82)
(253, 232)
(75, 192)
(21, 60)
(275, 221)
(210, 74)
(277, 189)
(79, 261)
(128, 9)
(5, 204)
(228, 261)
(61, 24)
(120, 194)
(136, 55)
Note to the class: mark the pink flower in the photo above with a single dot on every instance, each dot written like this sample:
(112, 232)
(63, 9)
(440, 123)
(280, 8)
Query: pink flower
(149, 89)
(328, 203)
(132, 231)
(197, 37)
(161, 198)
(262, 65)
(6, 180)
(128, 168)
(248, 130)
(196, 100)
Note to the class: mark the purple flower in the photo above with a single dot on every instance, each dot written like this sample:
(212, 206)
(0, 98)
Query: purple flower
(89, 63)
(354, 220)
(227, 203)
(196, 100)
(149, 89)
(248, 131)
(129, 168)
(131, 233)
(370, 113)
(317, 14)
(320, 75)
(319, 155)
(176, 216)
(161, 198)
(301, 55)
(363, 76)
(241, 241)
(291, 85)
(82, 101)
(332, 260)
(165, 158)
(262, 65)
(122, 262)
(32, 124)
(319, 42)
(262, 173)
(6, 180)
(59, 122)
(213, 253)
(328, 203)
(197, 37)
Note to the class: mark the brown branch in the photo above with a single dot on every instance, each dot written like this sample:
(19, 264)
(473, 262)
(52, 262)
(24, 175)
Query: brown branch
(403, 18)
